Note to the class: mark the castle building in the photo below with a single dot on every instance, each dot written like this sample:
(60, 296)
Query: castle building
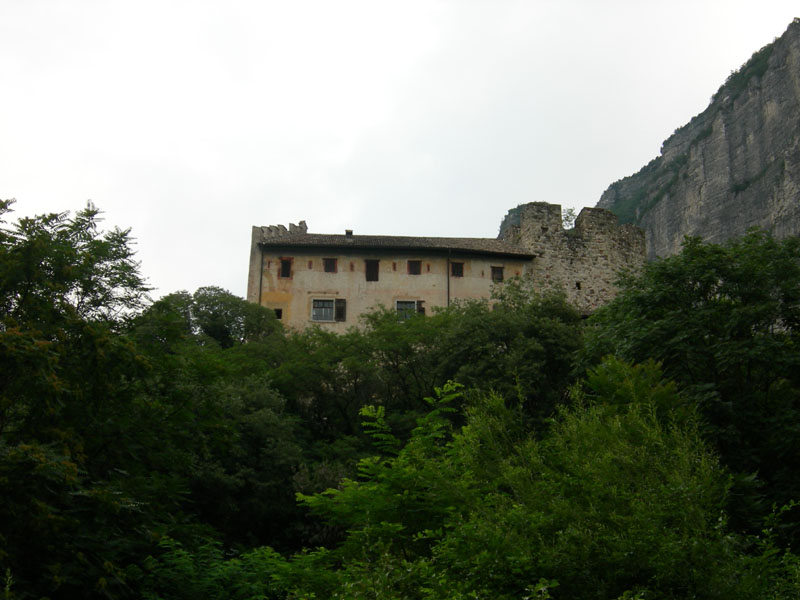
(332, 279)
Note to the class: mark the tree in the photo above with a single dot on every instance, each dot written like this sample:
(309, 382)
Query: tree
(523, 346)
(230, 320)
(723, 321)
(613, 501)
(75, 446)
(56, 267)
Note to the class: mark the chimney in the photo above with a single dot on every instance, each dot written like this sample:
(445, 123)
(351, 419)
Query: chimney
(348, 233)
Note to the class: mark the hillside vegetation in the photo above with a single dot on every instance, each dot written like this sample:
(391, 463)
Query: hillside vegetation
(192, 448)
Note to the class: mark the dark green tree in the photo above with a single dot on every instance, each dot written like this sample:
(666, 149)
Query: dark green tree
(616, 500)
(230, 320)
(70, 421)
(723, 321)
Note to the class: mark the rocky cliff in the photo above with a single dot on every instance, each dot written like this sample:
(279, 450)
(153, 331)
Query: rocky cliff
(734, 166)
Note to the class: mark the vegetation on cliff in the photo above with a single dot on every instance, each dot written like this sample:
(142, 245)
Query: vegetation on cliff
(723, 151)
(192, 448)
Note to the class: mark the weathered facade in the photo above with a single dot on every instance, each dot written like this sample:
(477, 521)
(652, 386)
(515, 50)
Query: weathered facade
(331, 280)
(583, 261)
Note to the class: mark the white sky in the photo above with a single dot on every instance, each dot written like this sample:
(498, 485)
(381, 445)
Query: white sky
(189, 121)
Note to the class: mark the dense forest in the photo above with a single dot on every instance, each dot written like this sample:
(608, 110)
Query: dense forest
(190, 447)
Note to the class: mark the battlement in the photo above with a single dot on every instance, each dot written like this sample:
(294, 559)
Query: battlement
(275, 231)
(583, 261)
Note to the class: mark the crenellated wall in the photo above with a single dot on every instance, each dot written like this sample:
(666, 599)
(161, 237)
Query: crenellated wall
(584, 261)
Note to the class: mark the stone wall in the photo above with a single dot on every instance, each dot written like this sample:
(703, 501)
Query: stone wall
(583, 261)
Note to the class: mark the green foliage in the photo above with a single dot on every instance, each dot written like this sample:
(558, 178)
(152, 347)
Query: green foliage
(522, 347)
(160, 452)
(657, 179)
(56, 267)
(230, 320)
(376, 427)
(723, 321)
(704, 133)
(207, 573)
(616, 500)
(240, 482)
(72, 516)
(568, 217)
(737, 82)
(400, 496)
(609, 500)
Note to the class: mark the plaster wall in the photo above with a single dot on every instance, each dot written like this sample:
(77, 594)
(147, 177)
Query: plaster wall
(294, 295)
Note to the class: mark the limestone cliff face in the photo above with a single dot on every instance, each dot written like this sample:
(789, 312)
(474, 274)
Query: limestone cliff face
(734, 166)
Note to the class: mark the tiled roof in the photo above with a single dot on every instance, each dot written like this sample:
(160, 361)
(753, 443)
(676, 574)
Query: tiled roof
(392, 242)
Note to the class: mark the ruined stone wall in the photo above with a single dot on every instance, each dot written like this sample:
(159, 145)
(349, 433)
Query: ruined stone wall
(583, 261)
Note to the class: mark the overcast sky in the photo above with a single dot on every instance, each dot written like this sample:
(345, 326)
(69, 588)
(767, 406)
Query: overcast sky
(189, 121)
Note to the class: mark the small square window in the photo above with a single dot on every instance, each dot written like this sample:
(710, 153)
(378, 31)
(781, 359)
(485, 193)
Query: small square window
(457, 269)
(414, 267)
(286, 268)
(371, 269)
(329, 265)
(497, 274)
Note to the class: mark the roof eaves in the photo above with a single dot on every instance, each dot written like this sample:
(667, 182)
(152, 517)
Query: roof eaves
(396, 243)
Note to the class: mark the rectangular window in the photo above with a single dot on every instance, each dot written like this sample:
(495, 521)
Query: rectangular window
(457, 269)
(322, 310)
(372, 269)
(278, 313)
(408, 308)
(286, 269)
(329, 264)
(340, 310)
(329, 309)
(497, 274)
(414, 267)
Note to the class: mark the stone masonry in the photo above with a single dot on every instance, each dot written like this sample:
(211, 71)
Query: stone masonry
(584, 261)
